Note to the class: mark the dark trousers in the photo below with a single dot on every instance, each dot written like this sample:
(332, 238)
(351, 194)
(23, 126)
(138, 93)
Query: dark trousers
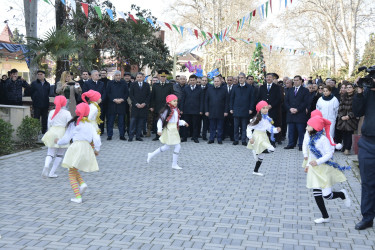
(284, 125)
(293, 127)
(183, 131)
(216, 129)
(339, 135)
(41, 112)
(136, 126)
(347, 140)
(240, 122)
(103, 115)
(206, 126)
(127, 119)
(228, 126)
(193, 121)
(111, 123)
(366, 158)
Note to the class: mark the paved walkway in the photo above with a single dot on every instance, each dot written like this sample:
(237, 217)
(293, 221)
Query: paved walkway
(213, 203)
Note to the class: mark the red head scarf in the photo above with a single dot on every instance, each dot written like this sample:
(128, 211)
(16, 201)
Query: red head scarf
(82, 110)
(93, 95)
(318, 123)
(60, 101)
(260, 105)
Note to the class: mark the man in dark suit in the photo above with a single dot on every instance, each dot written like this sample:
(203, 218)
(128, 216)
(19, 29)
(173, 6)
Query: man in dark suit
(105, 80)
(160, 91)
(204, 119)
(95, 84)
(140, 97)
(296, 103)
(117, 92)
(216, 107)
(39, 91)
(127, 78)
(241, 106)
(85, 76)
(192, 106)
(13, 88)
(271, 93)
(228, 120)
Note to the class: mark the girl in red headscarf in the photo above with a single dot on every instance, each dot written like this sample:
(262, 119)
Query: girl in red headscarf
(168, 125)
(94, 98)
(80, 155)
(57, 120)
(258, 141)
(322, 172)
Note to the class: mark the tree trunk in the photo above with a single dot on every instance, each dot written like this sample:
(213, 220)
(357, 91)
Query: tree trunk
(61, 65)
(31, 22)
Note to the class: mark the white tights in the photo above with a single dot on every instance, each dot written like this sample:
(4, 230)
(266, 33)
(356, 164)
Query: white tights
(56, 153)
(165, 147)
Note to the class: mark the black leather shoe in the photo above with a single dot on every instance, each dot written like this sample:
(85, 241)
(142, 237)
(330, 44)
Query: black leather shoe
(122, 138)
(364, 224)
(244, 143)
(196, 141)
(231, 139)
(204, 138)
(220, 142)
(289, 147)
(156, 139)
(109, 138)
(300, 148)
(138, 139)
(130, 139)
(183, 140)
(210, 142)
(235, 143)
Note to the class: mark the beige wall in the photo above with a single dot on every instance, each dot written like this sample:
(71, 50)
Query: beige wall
(20, 65)
(14, 115)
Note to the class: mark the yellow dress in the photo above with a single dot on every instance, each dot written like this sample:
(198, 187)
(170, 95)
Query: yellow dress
(53, 133)
(261, 142)
(322, 175)
(170, 135)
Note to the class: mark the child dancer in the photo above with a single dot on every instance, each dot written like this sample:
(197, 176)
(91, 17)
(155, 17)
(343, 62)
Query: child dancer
(258, 141)
(322, 172)
(95, 99)
(168, 125)
(57, 120)
(80, 155)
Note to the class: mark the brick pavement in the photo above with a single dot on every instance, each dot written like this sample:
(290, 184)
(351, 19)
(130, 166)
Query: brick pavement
(213, 203)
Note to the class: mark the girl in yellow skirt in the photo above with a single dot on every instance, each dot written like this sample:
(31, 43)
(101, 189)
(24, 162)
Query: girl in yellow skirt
(80, 155)
(258, 140)
(168, 125)
(322, 172)
(94, 99)
(57, 120)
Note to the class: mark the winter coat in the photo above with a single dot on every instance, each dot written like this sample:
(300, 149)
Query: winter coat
(329, 108)
(216, 102)
(139, 95)
(40, 94)
(346, 109)
(300, 101)
(117, 90)
(158, 95)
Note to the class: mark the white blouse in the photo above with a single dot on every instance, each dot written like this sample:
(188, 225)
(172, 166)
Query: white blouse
(323, 145)
(93, 112)
(85, 131)
(173, 119)
(263, 125)
(60, 120)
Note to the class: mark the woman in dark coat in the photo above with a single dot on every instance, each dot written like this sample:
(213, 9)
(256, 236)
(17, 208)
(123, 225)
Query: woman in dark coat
(347, 122)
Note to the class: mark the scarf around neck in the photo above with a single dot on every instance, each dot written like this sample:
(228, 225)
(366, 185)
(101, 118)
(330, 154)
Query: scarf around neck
(266, 117)
(327, 98)
(173, 109)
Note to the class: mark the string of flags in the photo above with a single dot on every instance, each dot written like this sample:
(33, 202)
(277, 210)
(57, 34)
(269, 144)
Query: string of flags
(264, 11)
(269, 47)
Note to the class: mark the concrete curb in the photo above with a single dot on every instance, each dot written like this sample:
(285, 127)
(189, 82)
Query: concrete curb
(4, 157)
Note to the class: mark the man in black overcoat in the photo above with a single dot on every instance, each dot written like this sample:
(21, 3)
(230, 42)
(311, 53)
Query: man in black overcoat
(39, 91)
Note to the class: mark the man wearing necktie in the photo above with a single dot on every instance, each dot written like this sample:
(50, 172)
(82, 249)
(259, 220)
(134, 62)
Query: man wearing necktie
(228, 120)
(140, 97)
(192, 107)
(204, 119)
(85, 76)
(160, 91)
(296, 103)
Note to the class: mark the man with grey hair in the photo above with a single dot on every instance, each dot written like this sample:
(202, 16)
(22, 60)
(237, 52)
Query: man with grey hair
(95, 84)
(117, 93)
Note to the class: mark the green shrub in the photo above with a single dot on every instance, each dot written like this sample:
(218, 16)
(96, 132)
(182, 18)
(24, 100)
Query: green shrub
(28, 131)
(6, 144)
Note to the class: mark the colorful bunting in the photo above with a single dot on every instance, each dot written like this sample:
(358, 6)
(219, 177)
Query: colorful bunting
(98, 11)
(175, 26)
(110, 13)
(63, 2)
(85, 8)
(204, 34)
(266, 9)
(142, 18)
(45, 1)
(132, 18)
(196, 33)
(271, 5)
(167, 24)
(182, 31)
(74, 5)
(210, 34)
(121, 14)
(150, 21)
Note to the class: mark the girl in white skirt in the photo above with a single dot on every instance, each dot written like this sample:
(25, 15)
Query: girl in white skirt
(57, 120)
(168, 125)
(258, 141)
(94, 99)
(322, 172)
(80, 155)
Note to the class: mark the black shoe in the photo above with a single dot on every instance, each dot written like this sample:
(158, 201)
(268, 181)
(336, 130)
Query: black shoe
(210, 142)
(183, 140)
(235, 143)
(231, 139)
(122, 138)
(196, 141)
(244, 143)
(102, 132)
(289, 147)
(273, 144)
(138, 139)
(279, 142)
(156, 138)
(130, 139)
(364, 224)
(204, 138)
(300, 148)
(109, 138)
(220, 142)
(141, 135)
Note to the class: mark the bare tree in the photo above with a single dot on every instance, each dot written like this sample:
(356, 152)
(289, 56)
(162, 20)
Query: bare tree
(31, 21)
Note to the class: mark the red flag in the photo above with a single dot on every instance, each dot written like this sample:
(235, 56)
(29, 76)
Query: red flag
(132, 17)
(291, 1)
(85, 8)
(209, 34)
(271, 5)
(238, 24)
(270, 47)
(196, 33)
(254, 12)
(233, 39)
(167, 24)
(225, 32)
